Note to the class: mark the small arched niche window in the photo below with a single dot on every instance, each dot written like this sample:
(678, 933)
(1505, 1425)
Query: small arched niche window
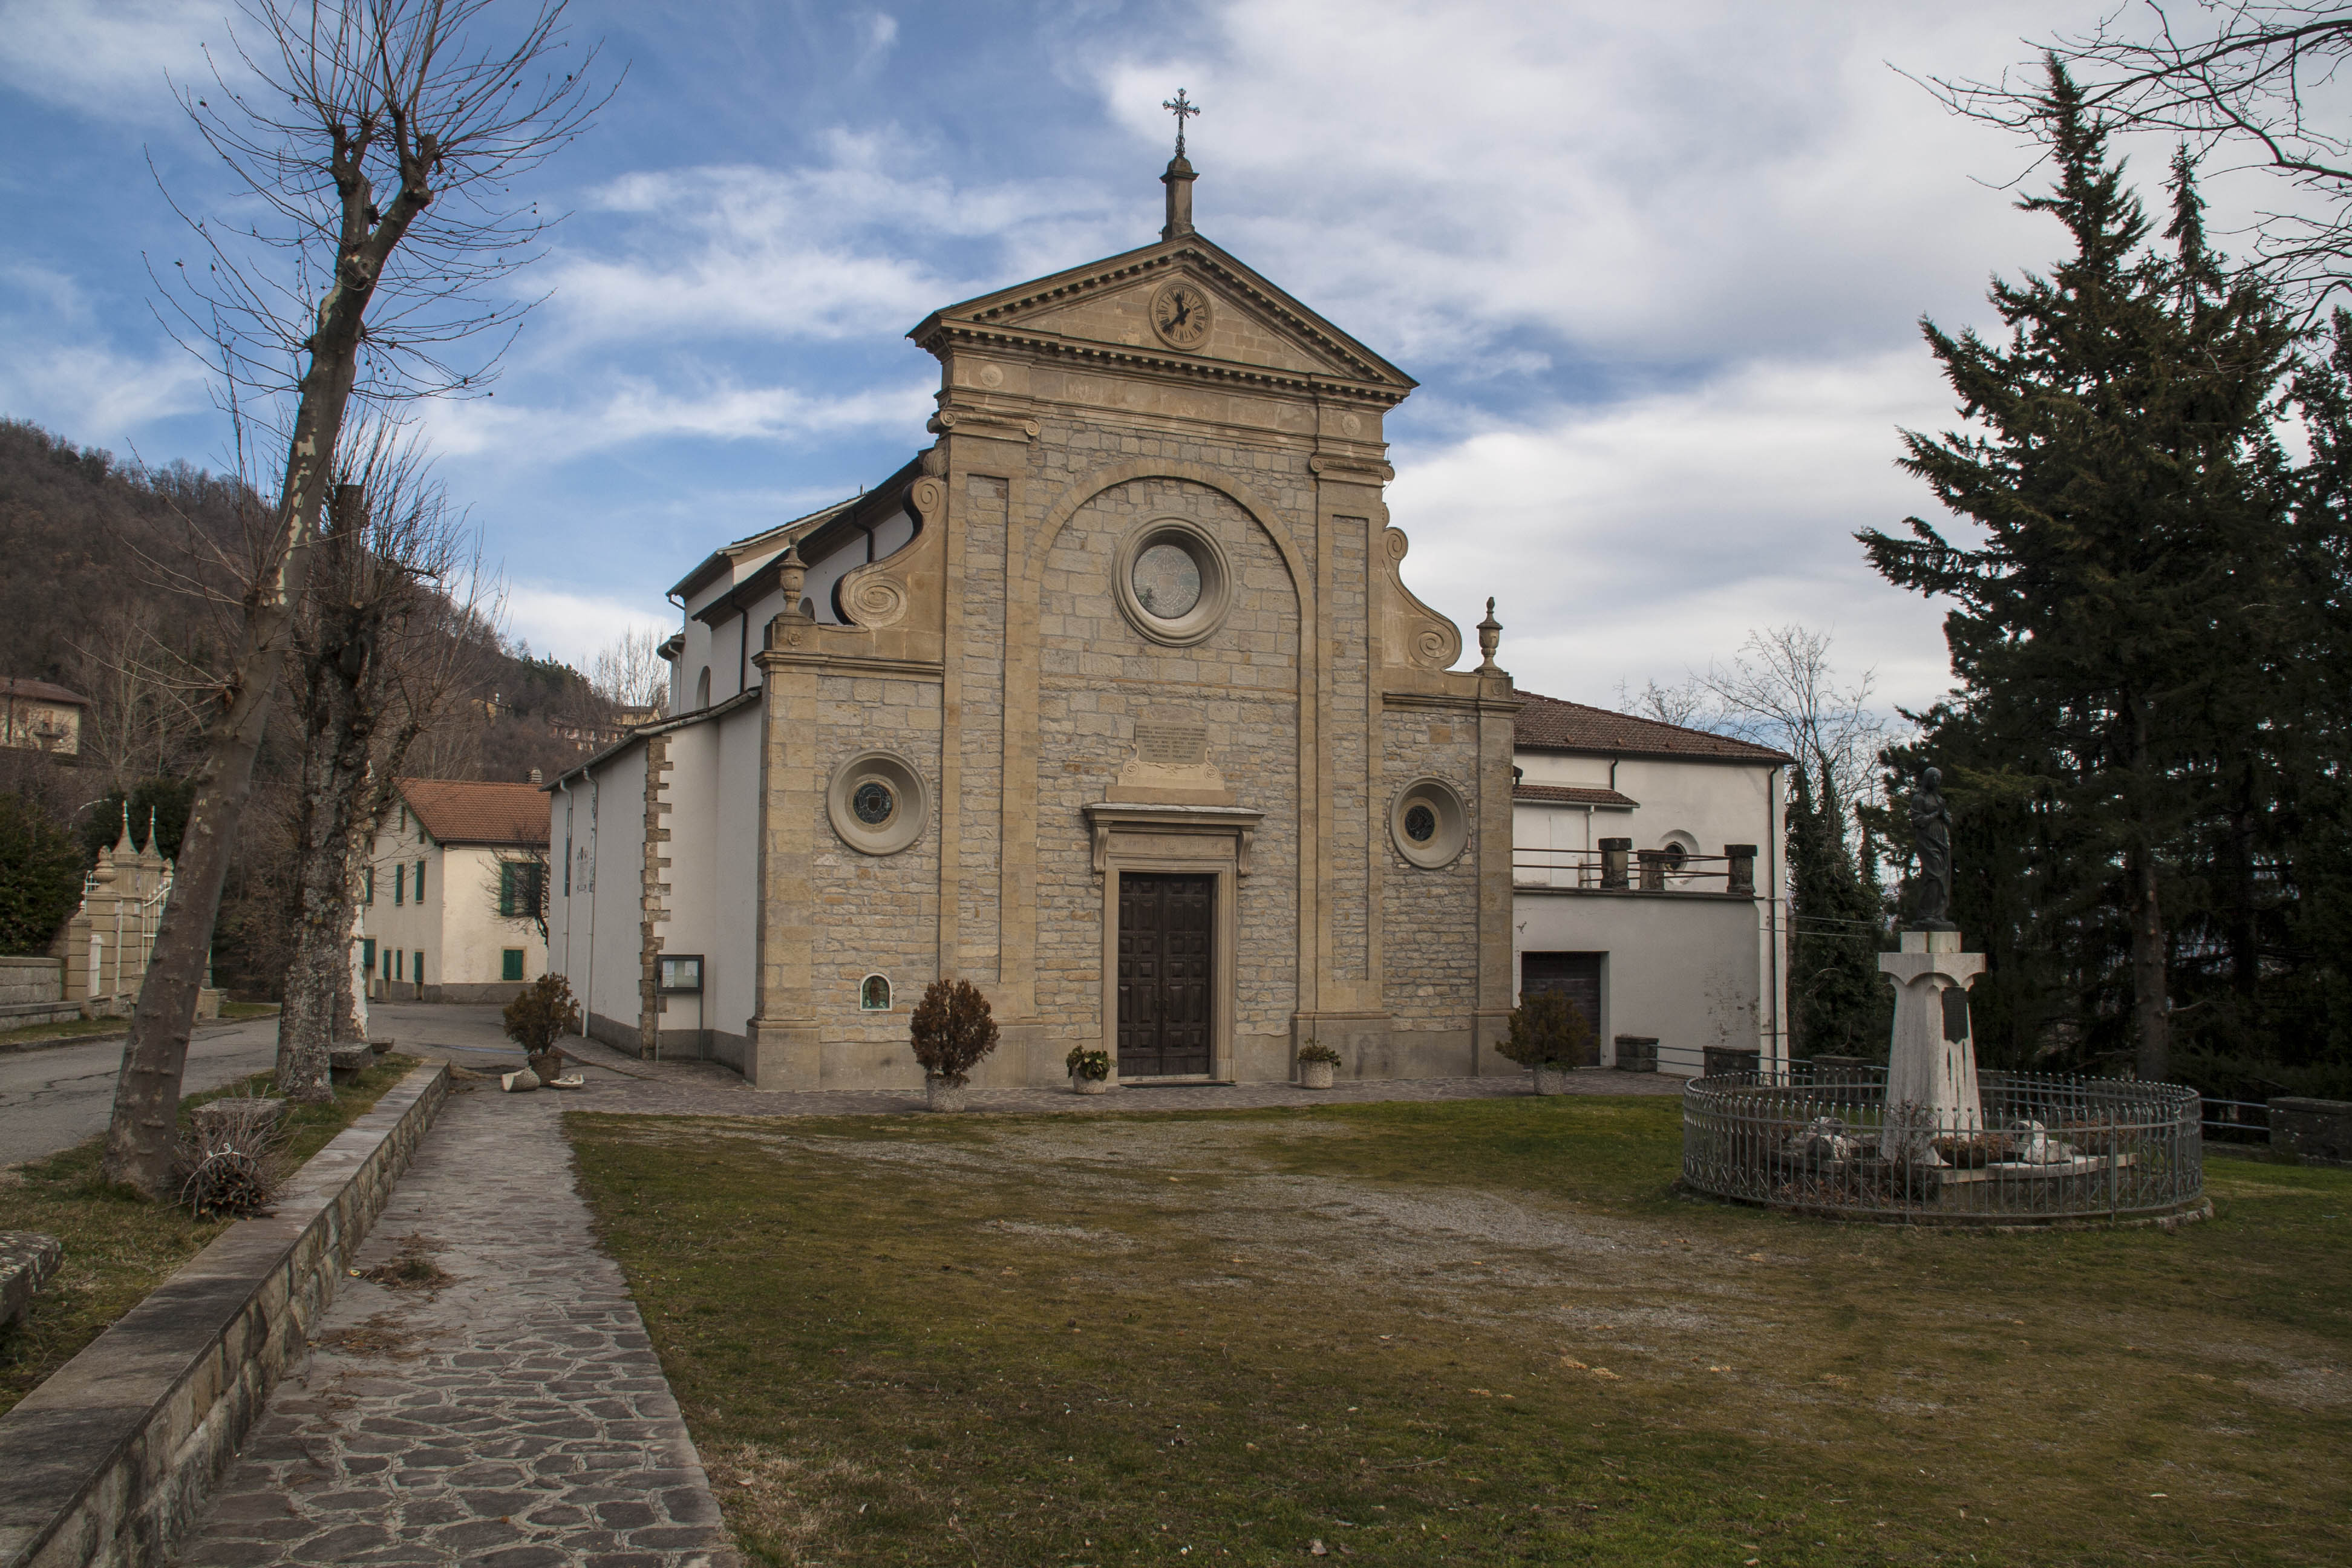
(874, 993)
(702, 688)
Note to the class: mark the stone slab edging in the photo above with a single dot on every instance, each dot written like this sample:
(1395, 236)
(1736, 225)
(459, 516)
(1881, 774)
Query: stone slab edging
(112, 1459)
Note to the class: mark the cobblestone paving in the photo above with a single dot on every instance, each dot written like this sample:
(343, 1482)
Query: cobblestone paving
(704, 1089)
(514, 1417)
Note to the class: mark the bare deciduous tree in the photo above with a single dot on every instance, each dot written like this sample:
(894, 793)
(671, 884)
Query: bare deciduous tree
(376, 141)
(630, 671)
(1780, 690)
(374, 662)
(2255, 81)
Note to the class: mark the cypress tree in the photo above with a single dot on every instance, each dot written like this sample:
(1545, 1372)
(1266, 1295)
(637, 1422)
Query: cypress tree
(2109, 629)
(1838, 1003)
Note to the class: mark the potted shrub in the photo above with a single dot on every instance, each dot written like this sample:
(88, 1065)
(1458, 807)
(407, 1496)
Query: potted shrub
(1090, 1070)
(952, 1031)
(542, 1014)
(1316, 1061)
(1550, 1035)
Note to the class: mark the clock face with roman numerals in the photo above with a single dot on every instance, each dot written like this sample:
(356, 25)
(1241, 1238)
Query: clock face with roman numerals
(1180, 313)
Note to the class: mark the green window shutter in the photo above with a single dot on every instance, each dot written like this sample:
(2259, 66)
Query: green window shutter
(367, 879)
(511, 963)
(367, 955)
(399, 885)
(419, 976)
(420, 882)
(507, 889)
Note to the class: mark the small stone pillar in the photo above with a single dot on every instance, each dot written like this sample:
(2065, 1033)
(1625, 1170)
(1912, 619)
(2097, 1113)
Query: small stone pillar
(1740, 876)
(1931, 1076)
(1614, 853)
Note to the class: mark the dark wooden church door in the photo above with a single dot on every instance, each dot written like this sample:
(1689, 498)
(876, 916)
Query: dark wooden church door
(1164, 974)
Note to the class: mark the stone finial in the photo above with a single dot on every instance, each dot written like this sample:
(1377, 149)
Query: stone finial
(1490, 638)
(1179, 176)
(792, 571)
(123, 848)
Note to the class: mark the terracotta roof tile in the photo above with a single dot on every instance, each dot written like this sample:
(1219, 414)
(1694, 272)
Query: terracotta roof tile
(1572, 794)
(41, 691)
(1547, 724)
(459, 811)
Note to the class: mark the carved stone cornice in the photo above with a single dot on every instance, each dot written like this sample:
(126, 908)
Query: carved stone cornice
(1237, 821)
(1347, 467)
(1045, 343)
(986, 422)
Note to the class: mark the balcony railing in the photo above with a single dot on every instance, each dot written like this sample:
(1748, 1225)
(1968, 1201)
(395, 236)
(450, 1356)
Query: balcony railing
(1617, 867)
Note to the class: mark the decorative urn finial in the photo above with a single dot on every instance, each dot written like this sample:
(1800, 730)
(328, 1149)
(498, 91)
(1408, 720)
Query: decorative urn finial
(1490, 638)
(792, 571)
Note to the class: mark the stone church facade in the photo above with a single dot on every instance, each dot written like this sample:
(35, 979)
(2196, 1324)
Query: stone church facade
(1112, 701)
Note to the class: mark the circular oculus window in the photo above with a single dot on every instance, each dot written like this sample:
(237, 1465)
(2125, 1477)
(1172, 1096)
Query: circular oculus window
(1172, 582)
(878, 802)
(1429, 823)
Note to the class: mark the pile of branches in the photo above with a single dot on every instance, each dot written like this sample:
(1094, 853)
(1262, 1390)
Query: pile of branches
(233, 1161)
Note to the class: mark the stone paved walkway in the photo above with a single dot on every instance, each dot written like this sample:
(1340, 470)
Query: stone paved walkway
(515, 1417)
(625, 1085)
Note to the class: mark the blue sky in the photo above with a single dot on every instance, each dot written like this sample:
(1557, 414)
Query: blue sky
(1657, 268)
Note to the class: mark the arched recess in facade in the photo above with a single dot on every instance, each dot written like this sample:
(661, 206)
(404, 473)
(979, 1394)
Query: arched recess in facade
(1017, 888)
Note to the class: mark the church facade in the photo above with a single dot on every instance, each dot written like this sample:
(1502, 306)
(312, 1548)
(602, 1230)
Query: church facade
(1113, 701)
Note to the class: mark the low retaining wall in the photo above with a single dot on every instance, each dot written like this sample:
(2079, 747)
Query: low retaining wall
(2318, 1130)
(114, 1458)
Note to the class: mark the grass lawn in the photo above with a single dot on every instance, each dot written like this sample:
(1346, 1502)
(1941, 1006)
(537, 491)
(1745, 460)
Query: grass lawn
(1466, 1332)
(118, 1246)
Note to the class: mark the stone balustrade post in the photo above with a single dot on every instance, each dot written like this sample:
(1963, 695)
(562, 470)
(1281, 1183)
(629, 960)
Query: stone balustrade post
(1614, 853)
(1741, 876)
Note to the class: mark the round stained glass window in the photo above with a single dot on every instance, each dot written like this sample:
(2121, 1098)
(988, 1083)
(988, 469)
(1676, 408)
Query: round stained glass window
(1167, 581)
(1420, 825)
(874, 803)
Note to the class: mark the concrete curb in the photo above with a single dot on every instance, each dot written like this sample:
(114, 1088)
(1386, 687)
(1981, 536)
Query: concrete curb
(113, 1458)
(55, 1042)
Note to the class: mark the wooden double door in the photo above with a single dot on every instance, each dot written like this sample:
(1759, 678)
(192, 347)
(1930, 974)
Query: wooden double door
(1575, 975)
(1167, 945)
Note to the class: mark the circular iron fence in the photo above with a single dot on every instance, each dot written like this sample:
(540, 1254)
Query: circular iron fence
(2044, 1150)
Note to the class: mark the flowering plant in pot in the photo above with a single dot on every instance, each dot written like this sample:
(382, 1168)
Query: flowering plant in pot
(1090, 1070)
(952, 1030)
(1316, 1061)
(1549, 1034)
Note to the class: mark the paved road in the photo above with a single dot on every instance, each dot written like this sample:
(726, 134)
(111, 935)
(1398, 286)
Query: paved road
(53, 1098)
(514, 1417)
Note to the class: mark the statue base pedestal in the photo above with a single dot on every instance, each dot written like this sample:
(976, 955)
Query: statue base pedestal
(1931, 1078)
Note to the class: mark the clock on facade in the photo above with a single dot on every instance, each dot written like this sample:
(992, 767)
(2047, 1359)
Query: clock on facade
(1180, 313)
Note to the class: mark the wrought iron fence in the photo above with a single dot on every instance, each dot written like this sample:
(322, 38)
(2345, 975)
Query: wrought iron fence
(2236, 1122)
(2045, 1149)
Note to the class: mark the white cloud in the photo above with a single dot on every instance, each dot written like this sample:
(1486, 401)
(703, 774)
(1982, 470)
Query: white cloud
(107, 58)
(565, 622)
(635, 409)
(95, 395)
(1643, 538)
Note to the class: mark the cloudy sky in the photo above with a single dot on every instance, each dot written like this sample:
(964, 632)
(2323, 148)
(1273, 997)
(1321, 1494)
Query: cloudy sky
(1657, 268)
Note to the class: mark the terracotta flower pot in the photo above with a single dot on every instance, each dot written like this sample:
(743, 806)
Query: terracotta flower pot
(1550, 1079)
(1081, 1084)
(944, 1096)
(1314, 1075)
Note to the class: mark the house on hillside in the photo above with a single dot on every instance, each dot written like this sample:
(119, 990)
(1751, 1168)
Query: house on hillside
(452, 899)
(36, 716)
(1647, 882)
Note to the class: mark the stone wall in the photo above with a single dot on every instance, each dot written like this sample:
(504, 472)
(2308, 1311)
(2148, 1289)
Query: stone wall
(1429, 939)
(33, 991)
(112, 1459)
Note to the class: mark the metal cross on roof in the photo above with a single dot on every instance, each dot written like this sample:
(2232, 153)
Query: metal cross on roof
(1183, 109)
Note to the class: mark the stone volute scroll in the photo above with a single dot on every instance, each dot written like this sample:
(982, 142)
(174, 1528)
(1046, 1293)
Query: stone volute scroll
(1410, 632)
(877, 593)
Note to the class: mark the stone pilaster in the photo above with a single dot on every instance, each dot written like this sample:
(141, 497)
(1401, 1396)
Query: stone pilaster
(783, 1051)
(654, 888)
(1492, 844)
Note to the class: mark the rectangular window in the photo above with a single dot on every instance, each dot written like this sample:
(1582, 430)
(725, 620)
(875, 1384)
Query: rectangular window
(387, 964)
(511, 963)
(419, 976)
(507, 891)
(399, 965)
(367, 955)
(367, 895)
(399, 885)
(420, 882)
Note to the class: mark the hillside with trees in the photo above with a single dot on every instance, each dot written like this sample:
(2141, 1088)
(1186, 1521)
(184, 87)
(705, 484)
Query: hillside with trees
(121, 583)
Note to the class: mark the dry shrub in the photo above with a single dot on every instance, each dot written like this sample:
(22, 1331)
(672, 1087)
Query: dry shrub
(233, 1161)
(951, 1029)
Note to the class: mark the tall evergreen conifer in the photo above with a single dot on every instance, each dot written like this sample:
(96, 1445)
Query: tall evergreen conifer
(2107, 629)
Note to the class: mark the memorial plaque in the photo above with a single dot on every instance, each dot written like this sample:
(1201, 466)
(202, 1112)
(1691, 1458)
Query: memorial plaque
(1171, 745)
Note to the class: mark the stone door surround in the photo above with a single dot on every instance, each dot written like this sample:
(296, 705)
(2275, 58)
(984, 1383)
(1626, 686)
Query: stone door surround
(1194, 840)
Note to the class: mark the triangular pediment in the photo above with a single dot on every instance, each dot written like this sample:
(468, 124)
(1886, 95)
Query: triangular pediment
(1139, 303)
